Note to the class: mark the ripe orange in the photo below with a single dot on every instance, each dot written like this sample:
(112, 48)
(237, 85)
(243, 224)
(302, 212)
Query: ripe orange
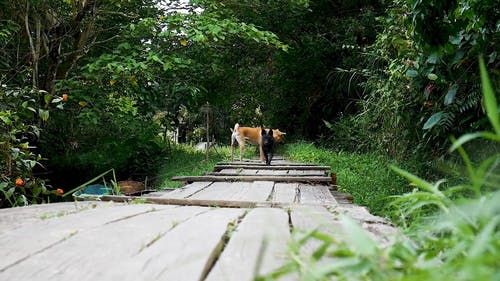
(65, 97)
(59, 191)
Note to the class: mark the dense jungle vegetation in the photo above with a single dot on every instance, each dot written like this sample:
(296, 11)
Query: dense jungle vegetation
(92, 85)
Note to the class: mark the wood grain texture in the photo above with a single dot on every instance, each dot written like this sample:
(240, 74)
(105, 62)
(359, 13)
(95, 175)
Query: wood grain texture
(29, 240)
(188, 202)
(308, 218)
(187, 190)
(13, 218)
(257, 246)
(136, 248)
(310, 179)
(285, 193)
(272, 167)
(316, 194)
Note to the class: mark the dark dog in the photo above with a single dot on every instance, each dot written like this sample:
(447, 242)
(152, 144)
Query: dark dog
(268, 145)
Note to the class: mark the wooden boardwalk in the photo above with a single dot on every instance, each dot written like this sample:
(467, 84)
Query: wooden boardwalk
(235, 223)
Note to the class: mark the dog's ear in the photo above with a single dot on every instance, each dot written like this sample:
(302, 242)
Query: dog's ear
(263, 132)
(270, 132)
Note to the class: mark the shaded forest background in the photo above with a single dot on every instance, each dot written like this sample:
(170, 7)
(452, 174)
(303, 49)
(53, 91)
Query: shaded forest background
(89, 85)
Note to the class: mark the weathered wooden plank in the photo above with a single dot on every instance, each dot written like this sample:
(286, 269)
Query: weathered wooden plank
(95, 254)
(285, 173)
(359, 213)
(248, 172)
(258, 246)
(308, 218)
(285, 193)
(221, 191)
(13, 218)
(315, 179)
(190, 249)
(272, 167)
(188, 201)
(231, 171)
(187, 190)
(28, 240)
(260, 163)
(307, 173)
(316, 194)
(259, 191)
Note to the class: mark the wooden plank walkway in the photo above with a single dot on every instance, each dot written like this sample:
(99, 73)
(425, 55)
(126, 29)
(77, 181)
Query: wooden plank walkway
(207, 230)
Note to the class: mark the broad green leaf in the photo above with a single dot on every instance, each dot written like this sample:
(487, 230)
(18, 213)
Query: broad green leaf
(433, 58)
(489, 98)
(44, 114)
(5, 119)
(455, 40)
(47, 98)
(433, 120)
(412, 73)
(450, 96)
(432, 76)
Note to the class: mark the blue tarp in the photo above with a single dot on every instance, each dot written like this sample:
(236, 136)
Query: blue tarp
(94, 190)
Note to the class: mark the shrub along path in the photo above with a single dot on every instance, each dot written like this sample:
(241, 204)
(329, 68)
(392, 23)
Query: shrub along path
(235, 223)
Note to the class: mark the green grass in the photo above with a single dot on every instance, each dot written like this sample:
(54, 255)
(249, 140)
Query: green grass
(185, 160)
(367, 176)
(451, 231)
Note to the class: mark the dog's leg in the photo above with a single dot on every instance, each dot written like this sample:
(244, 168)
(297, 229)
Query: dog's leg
(261, 150)
(232, 147)
(242, 150)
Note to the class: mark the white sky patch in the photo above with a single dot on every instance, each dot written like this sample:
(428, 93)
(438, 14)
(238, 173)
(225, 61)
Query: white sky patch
(180, 6)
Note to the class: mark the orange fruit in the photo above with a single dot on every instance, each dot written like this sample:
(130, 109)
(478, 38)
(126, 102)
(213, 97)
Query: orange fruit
(59, 191)
(65, 97)
(19, 182)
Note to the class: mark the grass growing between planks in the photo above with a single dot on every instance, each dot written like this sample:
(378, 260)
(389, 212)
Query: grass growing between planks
(368, 177)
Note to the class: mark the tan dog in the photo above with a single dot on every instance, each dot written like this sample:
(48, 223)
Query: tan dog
(253, 136)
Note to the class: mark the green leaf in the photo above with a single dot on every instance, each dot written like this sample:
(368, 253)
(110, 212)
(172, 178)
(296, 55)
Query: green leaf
(412, 73)
(423, 184)
(44, 114)
(5, 119)
(432, 59)
(433, 120)
(489, 97)
(47, 98)
(455, 40)
(482, 241)
(450, 96)
(468, 137)
(432, 76)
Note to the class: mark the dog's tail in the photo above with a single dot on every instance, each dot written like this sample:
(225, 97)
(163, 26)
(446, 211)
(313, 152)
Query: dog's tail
(236, 126)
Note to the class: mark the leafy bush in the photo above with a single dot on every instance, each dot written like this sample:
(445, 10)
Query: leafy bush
(421, 82)
(20, 119)
(457, 240)
(97, 133)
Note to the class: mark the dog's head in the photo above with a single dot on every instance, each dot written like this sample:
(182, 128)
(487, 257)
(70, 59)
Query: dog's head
(279, 136)
(267, 137)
